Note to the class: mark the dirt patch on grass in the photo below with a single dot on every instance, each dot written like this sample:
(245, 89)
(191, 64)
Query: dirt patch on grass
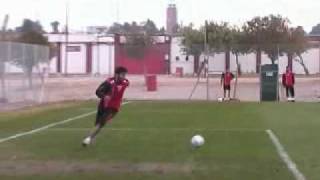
(57, 167)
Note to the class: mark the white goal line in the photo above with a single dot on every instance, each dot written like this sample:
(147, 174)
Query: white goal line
(49, 126)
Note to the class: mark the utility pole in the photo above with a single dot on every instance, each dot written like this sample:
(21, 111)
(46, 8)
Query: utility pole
(206, 59)
(98, 55)
(118, 11)
(3, 97)
(66, 39)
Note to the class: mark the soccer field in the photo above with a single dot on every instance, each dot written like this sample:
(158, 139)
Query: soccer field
(150, 140)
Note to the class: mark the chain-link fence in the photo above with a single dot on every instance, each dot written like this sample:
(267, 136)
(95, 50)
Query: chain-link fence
(24, 68)
(22, 72)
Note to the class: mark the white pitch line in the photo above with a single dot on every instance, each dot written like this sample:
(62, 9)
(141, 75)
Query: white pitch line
(163, 129)
(285, 156)
(49, 126)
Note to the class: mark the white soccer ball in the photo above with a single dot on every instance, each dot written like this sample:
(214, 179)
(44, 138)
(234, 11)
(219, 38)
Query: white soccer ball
(220, 99)
(291, 99)
(86, 141)
(197, 141)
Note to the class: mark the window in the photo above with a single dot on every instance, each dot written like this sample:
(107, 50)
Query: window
(177, 58)
(187, 58)
(73, 48)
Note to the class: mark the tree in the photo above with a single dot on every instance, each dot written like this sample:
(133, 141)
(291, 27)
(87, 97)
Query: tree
(240, 45)
(139, 37)
(3, 58)
(32, 35)
(315, 30)
(117, 28)
(30, 26)
(136, 46)
(162, 30)
(150, 27)
(254, 30)
(55, 27)
(221, 38)
(275, 35)
(147, 26)
(267, 34)
(295, 46)
(193, 43)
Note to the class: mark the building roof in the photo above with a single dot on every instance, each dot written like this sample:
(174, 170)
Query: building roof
(80, 38)
(313, 37)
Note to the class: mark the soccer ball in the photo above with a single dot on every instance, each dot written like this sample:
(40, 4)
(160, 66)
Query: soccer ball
(197, 141)
(220, 99)
(87, 141)
(291, 99)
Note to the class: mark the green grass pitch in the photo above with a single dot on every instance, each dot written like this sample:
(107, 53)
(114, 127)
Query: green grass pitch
(150, 140)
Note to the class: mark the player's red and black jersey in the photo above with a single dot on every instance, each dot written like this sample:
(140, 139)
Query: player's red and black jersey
(227, 78)
(115, 90)
(288, 79)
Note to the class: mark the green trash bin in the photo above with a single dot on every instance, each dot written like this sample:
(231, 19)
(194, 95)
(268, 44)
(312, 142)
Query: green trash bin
(269, 82)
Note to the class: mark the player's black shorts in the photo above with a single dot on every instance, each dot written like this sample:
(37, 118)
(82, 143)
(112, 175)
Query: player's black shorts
(227, 87)
(104, 113)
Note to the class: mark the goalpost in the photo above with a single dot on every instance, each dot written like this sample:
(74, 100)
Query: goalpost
(205, 68)
(214, 73)
(217, 74)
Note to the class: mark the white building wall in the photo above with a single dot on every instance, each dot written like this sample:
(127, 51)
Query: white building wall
(283, 63)
(312, 61)
(265, 59)
(216, 62)
(187, 66)
(76, 60)
(102, 63)
(248, 63)
(11, 68)
(233, 63)
(53, 65)
(179, 59)
(103, 59)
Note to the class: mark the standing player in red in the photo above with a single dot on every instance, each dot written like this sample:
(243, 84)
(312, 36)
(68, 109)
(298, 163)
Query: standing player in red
(226, 79)
(288, 81)
(110, 93)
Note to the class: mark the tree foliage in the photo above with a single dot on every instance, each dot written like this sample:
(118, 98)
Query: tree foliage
(31, 32)
(193, 40)
(296, 45)
(315, 30)
(138, 36)
(268, 34)
(33, 51)
(55, 26)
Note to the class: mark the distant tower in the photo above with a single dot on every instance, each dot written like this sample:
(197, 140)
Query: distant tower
(172, 19)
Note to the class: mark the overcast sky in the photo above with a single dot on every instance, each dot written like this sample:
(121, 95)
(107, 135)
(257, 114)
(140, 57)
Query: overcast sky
(104, 12)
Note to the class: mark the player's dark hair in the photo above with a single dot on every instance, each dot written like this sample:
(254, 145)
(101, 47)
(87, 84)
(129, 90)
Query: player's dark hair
(120, 70)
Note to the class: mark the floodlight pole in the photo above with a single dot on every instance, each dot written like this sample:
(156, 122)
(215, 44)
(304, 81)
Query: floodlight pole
(66, 39)
(98, 55)
(206, 59)
(278, 80)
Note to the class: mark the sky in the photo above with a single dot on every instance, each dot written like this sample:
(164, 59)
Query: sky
(85, 13)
